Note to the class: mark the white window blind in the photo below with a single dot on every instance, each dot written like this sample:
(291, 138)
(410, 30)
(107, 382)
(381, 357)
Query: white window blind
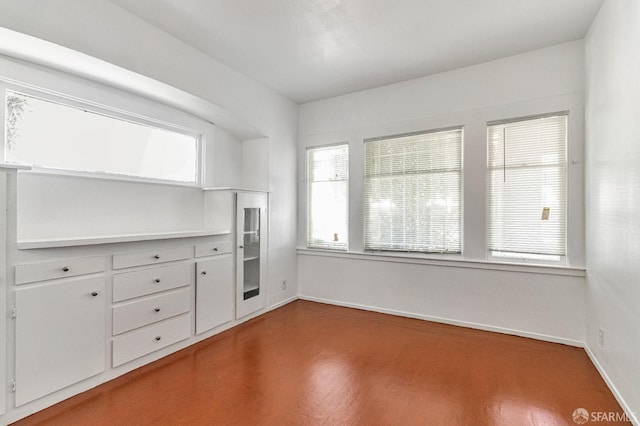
(327, 197)
(527, 188)
(413, 192)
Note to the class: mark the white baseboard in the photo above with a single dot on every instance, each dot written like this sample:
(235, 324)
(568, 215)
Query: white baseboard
(612, 386)
(484, 327)
(283, 302)
(477, 326)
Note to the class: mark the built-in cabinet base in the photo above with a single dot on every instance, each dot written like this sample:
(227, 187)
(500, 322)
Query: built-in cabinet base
(89, 319)
(82, 315)
(214, 294)
(59, 335)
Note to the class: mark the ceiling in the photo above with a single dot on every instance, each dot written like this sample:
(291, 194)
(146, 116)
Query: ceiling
(313, 49)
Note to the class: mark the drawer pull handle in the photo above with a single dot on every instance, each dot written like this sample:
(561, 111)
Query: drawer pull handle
(157, 256)
(65, 269)
(215, 249)
(157, 280)
(157, 309)
(94, 293)
(204, 272)
(158, 338)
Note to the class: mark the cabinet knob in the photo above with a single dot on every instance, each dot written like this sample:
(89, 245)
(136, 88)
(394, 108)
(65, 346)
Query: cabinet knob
(65, 269)
(204, 272)
(157, 256)
(157, 280)
(215, 249)
(157, 309)
(241, 247)
(158, 338)
(94, 293)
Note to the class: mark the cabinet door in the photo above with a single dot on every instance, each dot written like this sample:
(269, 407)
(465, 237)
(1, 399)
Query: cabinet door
(214, 292)
(251, 258)
(60, 336)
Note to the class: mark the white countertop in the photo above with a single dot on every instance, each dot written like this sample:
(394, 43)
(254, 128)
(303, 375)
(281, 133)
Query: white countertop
(26, 244)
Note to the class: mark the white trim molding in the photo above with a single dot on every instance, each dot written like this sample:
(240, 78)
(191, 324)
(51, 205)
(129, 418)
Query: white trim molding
(447, 262)
(612, 387)
(476, 326)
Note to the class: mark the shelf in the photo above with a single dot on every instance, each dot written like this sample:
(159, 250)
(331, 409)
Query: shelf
(230, 188)
(251, 286)
(27, 244)
(246, 259)
(13, 167)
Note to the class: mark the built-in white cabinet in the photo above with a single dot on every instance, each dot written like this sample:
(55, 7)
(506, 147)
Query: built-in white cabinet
(140, 312)
(127, 260)
(129, 285)
(82, 319)
(152, 306)
(214, 292)
(145, 340)
(41, 271)
(3, 289)
(123, 272)
(251, 254)
(60, 329)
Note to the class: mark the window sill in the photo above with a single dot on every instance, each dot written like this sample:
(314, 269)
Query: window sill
(13, 167)
(28, 244)
(45, 171)
(448, 261)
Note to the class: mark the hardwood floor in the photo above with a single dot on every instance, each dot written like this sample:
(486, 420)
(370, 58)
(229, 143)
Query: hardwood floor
(308, 363)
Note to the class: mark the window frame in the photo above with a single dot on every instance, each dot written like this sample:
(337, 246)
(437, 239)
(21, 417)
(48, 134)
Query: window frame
(110, 112)
(348, 199)
(563, 260)
(406, 252)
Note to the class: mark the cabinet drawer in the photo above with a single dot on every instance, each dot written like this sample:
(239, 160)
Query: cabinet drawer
(141, 342)
(211, 249)
(49, 270)
(149, 310)
(127, 260)
(148, 281)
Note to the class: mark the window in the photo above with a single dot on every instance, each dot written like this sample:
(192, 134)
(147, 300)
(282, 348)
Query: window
(413, 192)
(327, 197)
(51, 134)
(527, 188)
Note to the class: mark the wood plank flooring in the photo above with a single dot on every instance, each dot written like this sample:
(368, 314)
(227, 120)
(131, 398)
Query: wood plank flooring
(313, 364)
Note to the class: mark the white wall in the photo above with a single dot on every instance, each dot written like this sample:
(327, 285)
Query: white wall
(541, 81)
(239, 163)
(547, 307)
(255, 163)
(103, 30)
(65, 207)
(226, 158)
(613, 195)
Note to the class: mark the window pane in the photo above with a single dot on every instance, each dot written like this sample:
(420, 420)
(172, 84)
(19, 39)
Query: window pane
(527, 188)
(413, 192)
(327, 197)
(47, 134)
